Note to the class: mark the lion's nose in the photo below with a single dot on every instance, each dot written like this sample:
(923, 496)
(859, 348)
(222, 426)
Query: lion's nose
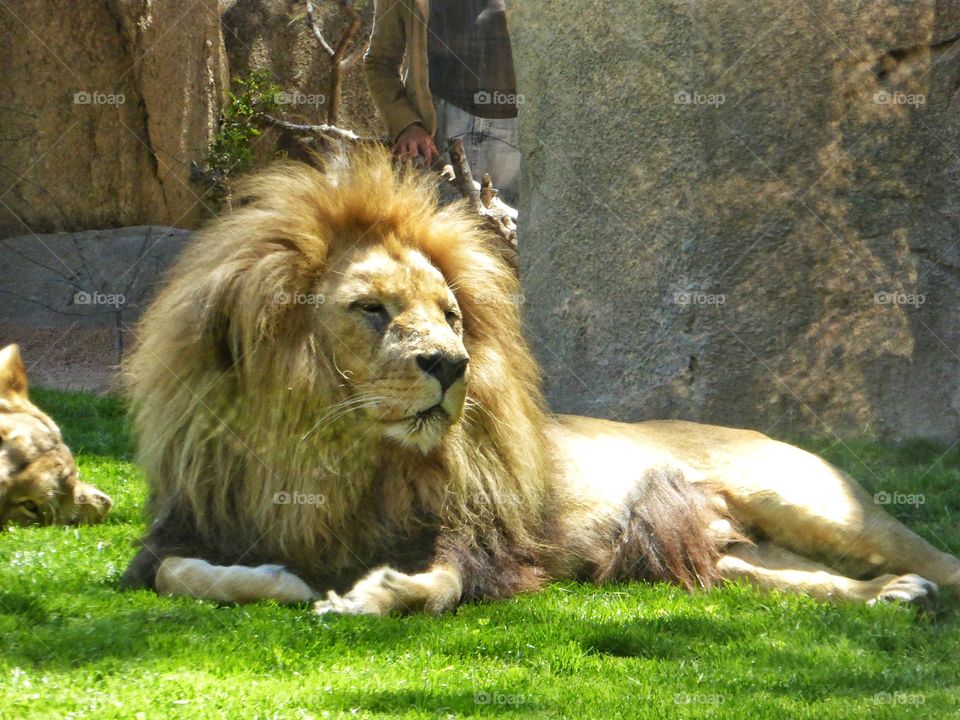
(446, 369)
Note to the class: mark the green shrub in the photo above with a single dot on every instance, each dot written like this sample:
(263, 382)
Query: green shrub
(232, 150)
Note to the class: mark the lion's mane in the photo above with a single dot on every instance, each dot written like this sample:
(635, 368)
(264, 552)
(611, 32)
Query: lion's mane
(227, 386)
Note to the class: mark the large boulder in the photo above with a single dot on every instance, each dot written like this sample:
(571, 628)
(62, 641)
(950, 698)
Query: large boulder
(744, 212)
(85, 279)
(71, 300)
(104, 107)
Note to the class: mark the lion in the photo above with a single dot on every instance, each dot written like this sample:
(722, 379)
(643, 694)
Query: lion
(334, 403)
(38, 475)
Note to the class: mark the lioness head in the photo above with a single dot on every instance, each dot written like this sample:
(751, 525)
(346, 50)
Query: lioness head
(398, 340)
(38, 476)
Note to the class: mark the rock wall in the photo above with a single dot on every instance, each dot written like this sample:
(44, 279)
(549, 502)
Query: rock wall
(273, 35)
(744, 212)
(103, 106)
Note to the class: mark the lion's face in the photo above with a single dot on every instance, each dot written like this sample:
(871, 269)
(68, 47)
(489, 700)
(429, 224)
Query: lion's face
(394, 330)
(38, 476)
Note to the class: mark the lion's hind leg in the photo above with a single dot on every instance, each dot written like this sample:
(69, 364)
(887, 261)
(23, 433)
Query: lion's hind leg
(192, 577)
(671, 531)
(769, 567)
(801, 502)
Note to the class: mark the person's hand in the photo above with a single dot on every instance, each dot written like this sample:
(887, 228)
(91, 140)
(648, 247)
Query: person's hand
(416, 142)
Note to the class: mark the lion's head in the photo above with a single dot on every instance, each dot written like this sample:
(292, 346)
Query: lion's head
(338, 336)
(396, 334)
(38, 476)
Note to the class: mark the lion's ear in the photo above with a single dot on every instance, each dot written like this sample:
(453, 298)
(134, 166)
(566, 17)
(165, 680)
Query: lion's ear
(13, 375)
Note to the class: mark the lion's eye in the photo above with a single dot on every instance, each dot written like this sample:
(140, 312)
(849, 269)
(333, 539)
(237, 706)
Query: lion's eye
(452, 316)
(375, 312)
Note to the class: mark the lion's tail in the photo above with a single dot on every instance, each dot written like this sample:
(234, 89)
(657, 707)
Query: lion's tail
(668, 534)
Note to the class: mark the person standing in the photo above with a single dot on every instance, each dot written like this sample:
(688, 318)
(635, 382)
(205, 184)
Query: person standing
(459, 82)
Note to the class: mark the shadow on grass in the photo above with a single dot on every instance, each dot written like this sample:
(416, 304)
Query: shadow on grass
(109, 623)
(27, 608)
(672, 638)
(172, 628)
(506, 701)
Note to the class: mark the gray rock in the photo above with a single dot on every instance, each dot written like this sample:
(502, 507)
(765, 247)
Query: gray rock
(744, 212)
(86, 279)
(105, 105)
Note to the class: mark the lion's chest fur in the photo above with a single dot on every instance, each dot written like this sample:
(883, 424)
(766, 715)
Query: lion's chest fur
(338, 503)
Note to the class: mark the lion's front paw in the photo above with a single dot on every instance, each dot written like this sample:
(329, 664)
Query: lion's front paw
(385, 590)
(379, 593)
(340, 605)
(911, 589)
(193, 577)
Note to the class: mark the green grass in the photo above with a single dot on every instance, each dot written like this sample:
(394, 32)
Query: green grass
(70, 643)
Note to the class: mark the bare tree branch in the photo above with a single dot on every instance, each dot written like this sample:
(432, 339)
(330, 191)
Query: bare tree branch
(94, 281)
(51, 308)
(330, 130)
(463, 177)
(138, 266)
(317, 33)
(87, 278)
(68, 279)
(497, 215)
(336, 62)
(341, 56)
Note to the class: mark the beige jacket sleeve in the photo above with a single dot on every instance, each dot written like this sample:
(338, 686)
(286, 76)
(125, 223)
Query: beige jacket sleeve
(382, 63)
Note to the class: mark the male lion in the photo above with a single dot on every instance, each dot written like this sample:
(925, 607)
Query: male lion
(38, 477)
(333, 394)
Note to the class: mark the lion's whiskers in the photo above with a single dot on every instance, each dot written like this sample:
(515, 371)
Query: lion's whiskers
(344, 408)
(469, 415)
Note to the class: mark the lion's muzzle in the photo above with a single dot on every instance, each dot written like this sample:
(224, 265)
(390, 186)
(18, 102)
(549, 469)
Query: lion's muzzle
(446, 368)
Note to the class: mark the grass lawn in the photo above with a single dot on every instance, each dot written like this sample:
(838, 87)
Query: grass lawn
(72, 645)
